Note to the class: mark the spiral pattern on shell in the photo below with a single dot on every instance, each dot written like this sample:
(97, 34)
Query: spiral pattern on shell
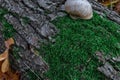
(79, 9)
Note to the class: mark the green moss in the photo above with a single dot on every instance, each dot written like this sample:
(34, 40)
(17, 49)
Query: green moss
(25, 20)
(76, 43)
(7, 30)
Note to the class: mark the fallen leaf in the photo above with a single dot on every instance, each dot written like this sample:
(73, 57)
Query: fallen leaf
(9, 42)
(5, 66)
(108, 2)
(16, 76)
(3, 76)
(4, 55)
(10, 75)
(6, 73)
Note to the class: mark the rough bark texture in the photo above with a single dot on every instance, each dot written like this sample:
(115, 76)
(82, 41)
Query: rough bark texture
(107, 69)
(112, 15)
(30, 35)
(2, 45)
(37, 12)
(27, 58)
(38, 29)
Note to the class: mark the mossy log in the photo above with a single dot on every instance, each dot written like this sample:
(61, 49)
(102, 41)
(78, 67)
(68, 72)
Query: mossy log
(37, 29)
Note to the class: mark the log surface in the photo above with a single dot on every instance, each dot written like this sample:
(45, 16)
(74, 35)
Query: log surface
(37, 29)
(112, 15)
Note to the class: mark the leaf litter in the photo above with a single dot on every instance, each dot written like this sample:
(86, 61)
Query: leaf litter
(6, 73)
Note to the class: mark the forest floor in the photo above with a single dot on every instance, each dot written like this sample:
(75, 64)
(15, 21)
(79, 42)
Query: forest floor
(71, 57)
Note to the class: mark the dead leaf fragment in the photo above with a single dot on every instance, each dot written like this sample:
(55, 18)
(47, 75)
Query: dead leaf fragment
(6, 73)
(9, 42)
(5, 66)
(16, 76)
(4, 55)
(108, 2)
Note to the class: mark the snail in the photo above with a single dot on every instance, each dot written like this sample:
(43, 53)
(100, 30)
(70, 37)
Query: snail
(79, 9)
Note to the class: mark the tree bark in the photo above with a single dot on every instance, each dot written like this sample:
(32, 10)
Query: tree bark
(37, 29)
(112, 15)
(27, 58)
(2, 45)
(29, 35)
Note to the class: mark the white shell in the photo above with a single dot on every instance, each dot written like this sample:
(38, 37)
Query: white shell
(79, 9)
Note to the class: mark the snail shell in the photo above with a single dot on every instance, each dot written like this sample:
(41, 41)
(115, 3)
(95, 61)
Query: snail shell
(79, 9)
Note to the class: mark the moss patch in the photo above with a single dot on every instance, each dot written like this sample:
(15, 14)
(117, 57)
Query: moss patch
(71, 57)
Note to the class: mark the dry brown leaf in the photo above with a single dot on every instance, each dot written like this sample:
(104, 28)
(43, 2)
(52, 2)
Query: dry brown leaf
(10, 76)
(15, 76)
(9, 42)
(3, 76)
(5, 66)
(4, 55)
(108, 2)
(5, 71)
